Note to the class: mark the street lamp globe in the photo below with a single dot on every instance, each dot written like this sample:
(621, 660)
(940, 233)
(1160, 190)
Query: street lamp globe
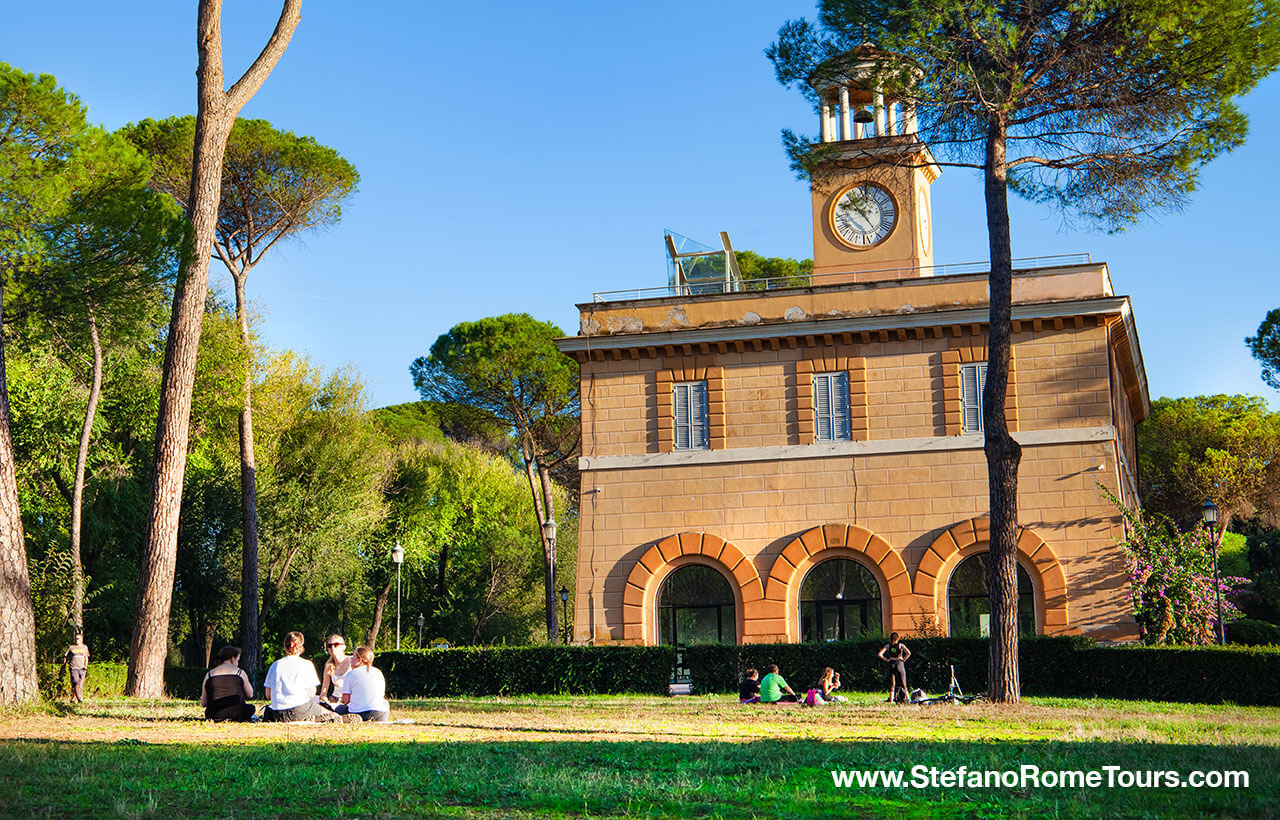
(397, 553)
(1209, 513)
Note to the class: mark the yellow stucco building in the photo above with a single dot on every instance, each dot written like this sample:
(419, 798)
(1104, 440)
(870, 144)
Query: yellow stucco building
(763, 462)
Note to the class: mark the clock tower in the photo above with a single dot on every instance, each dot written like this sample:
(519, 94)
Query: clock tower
(870, 179)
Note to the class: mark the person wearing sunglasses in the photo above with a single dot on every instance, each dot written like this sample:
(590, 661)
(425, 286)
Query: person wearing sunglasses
(336, 667)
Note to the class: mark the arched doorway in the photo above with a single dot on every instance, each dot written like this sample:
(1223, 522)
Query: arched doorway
(840, 600)
(969, 603)
(696, 606)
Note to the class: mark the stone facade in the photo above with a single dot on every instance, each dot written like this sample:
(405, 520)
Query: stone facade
(906, 497)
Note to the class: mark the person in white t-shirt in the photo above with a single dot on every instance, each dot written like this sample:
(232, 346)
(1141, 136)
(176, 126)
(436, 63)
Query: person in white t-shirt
(366, 689)
(291, 686)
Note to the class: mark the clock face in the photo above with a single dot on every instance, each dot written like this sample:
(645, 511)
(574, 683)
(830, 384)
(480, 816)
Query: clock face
(863, 215)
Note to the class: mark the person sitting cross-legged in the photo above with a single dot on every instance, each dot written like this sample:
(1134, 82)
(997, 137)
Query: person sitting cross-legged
(366, 690)
(291, 686)
(774, 689)
(749, 689)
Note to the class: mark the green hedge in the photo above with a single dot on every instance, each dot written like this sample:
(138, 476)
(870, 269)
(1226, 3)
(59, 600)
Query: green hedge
(106, 679)
(1250, 632)
(533, 670)
(1048, 666)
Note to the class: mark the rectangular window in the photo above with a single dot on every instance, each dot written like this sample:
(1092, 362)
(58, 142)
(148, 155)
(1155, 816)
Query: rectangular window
(973, 380)
(831, 407)
(689, 403)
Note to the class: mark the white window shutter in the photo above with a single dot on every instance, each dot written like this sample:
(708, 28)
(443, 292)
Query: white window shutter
(973, 380)
(681, 406)
(698, 436)
(822, 407)
(689, 407)
(840, 407)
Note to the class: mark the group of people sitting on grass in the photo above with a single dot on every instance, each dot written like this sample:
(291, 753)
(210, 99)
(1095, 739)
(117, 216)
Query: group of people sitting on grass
(352, 691)
(773, 687)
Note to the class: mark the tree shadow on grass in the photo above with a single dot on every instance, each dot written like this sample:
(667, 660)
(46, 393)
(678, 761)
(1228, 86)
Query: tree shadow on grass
(790, 778)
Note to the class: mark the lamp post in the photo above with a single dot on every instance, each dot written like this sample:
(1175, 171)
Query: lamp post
(421, 621)
(564, 607)
(1209, 517)
(397, 556)
(549, 536)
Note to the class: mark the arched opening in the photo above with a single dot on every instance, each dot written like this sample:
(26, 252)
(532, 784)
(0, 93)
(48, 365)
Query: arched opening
(969, 602)
(695, 606)
(840, 600)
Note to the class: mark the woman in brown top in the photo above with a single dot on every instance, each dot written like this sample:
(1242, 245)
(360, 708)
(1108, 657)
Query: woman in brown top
(76, 662)
(226, 688)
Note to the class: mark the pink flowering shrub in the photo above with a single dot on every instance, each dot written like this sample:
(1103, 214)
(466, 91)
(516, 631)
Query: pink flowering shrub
(1171, 582)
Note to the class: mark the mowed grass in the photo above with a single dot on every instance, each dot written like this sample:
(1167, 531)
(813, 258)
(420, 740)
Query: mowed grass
(628, 756)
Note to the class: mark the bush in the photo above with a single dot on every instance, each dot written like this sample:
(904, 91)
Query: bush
(1050, 666)
(534, 670)
(1249, 632)
(106, 679)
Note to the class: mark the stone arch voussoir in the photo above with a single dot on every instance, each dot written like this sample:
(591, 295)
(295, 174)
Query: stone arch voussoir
(817, 544)
(640, 596)
(965, 538)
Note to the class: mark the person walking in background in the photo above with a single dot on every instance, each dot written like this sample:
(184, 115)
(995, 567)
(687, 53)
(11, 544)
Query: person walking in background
(76, 662)
(895, 654)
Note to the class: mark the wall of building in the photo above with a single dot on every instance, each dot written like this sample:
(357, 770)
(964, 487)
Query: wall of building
(760, 499)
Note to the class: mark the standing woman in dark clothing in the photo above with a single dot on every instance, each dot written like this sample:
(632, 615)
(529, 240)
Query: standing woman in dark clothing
(895, 654)
(226, 688)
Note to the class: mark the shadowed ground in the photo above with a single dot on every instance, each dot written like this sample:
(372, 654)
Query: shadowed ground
(615, 756)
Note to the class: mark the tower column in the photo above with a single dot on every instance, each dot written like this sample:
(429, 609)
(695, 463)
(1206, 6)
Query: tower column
(909, 110)
(879, 112)
(845, 120)
(825, 123)
(891, 119)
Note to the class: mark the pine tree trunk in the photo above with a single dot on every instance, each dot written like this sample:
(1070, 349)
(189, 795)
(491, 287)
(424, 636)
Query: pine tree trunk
(17, 619)
(1003, 453)
(77, 492)
(379, 606)
(251, 632)
(215, 114)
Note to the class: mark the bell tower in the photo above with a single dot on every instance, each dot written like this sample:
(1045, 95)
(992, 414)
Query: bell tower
(870, 178)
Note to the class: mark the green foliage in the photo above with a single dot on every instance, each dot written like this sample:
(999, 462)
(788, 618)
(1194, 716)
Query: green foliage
(1265, 347)
(527, 670)
(106, 680)
(507, 369)
(274, 183)
(1110, 107)
(1049, 666)
(1249, 632)
(413, 423)
(1171, 582)
(779, 272)
(1226, 448)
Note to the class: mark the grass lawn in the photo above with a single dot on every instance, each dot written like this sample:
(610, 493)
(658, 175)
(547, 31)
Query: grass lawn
(626, 756)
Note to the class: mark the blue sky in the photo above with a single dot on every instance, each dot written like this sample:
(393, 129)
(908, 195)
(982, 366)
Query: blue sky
(519, 157)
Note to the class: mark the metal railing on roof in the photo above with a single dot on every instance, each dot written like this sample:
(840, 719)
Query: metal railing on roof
(922, 272)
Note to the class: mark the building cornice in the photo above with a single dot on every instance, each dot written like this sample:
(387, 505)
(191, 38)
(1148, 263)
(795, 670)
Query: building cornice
(1110, 305)
(934, 444)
